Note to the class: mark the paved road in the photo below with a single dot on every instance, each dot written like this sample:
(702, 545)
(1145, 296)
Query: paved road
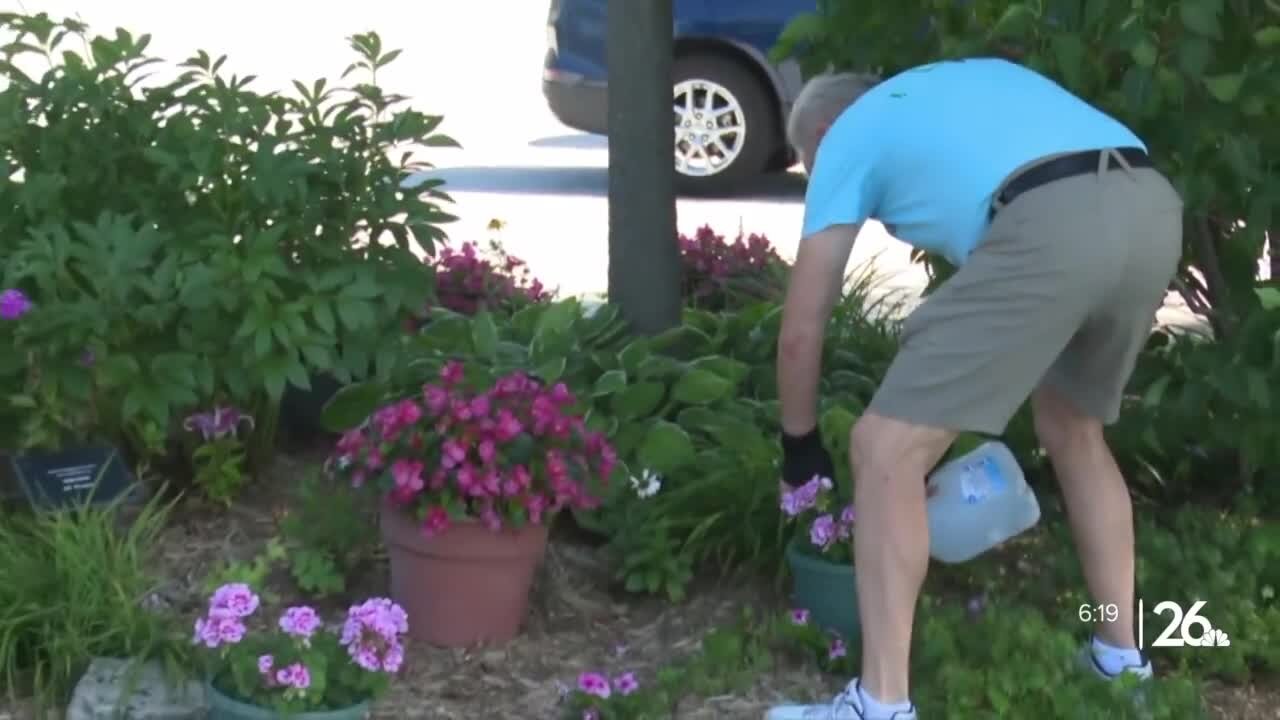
(479, 64)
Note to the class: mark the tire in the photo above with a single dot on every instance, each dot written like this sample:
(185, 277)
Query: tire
(704, 166)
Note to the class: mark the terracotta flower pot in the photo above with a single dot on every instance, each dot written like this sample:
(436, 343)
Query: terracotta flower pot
(465, 586)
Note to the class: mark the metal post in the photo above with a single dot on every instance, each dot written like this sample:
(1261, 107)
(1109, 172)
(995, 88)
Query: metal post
(644, 260)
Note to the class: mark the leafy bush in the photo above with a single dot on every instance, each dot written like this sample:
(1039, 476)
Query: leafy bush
(329, 532)
(202, 241)
(77, 585)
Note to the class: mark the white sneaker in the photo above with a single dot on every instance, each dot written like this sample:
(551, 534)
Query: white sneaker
(846, 706)
(1089, 661)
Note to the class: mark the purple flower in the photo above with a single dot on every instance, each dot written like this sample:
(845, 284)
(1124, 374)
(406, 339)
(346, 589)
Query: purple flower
(799, 616)
(218, 630)
(590, 714)
(13, 304)
(594, 684)
(294, 676)
(217, 423)
(846, 523)
(836, 649)
(300, 622)
(372, 635)
(265, 663)
(823, 531)
(626, 683)
(234, 600)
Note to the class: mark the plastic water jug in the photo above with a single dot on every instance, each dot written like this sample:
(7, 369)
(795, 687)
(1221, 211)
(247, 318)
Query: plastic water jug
(976, 502)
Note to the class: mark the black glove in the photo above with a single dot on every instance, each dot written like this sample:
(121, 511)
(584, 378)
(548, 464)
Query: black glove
(803, 457)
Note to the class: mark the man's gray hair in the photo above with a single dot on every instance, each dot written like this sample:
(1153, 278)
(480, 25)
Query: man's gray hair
(821, 101)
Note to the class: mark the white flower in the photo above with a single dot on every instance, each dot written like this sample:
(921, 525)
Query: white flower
(647, 485)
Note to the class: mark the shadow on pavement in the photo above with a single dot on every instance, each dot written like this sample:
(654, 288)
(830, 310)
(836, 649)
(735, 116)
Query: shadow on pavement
(594, 182)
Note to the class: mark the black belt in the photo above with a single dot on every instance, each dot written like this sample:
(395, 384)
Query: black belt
(1061, 168)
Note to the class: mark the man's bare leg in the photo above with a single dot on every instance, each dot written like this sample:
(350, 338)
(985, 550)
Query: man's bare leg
(891, 543)
(1098, 507)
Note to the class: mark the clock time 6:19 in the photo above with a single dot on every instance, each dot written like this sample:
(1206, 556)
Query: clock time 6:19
(1102, 612)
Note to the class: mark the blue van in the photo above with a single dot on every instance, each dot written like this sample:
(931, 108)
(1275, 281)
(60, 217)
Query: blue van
(731, 101)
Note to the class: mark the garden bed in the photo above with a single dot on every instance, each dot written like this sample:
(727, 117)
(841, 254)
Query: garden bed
(578, 622)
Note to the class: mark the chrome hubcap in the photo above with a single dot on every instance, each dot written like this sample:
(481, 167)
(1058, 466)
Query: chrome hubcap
(710, 128)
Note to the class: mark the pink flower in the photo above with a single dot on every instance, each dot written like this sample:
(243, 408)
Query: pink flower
(491, 518)
(508, 426)
(300, 622)
(560, 394)
(836, 649)
(452, 373)
(487, 451)
(626, 683)
(594, 684)
(214, 632)
(453, 453)
(235, 598)
(590, 714)
(435, 398)
(295, 676)
(407, 474)
(437, 521)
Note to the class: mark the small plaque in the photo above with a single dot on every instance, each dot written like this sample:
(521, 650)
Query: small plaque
(66, 479)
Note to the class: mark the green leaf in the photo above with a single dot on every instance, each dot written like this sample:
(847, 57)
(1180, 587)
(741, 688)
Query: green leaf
(484, 335)
(1225, 88)
(666, 448)
(1155, 393)
(1014, 22)
(551, 370)
(699, 387)
(609, 383)
(638, 400)
(1268, 37)
(1201, 17)
(1144, 53)
(352, 405)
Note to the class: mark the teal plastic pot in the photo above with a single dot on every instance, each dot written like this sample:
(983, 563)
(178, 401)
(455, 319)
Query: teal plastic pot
(828, 590)
(224, 707)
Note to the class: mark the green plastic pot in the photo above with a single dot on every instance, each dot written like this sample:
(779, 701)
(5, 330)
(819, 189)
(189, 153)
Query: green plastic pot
(224, 707)
(828, 590)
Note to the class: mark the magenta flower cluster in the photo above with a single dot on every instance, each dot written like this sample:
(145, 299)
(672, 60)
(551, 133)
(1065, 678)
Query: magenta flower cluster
(372, 637)
(466, 282)
(711, 265)
(826, 528)
(514, 450)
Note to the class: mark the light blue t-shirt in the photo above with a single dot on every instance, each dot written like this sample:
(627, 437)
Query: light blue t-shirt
(924, 151)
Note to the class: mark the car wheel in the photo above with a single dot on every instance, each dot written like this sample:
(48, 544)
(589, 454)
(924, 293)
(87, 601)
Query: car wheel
(725, 123)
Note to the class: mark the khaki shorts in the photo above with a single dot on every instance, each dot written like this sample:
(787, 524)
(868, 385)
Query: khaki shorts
(1063, 290)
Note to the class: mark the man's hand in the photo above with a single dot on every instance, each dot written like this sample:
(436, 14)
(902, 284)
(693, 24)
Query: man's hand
(803, 457)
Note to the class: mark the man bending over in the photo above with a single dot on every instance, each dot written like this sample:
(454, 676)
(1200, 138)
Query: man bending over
(1066, 240)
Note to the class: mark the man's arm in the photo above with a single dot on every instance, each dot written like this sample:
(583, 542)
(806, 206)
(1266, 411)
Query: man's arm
(812, 291)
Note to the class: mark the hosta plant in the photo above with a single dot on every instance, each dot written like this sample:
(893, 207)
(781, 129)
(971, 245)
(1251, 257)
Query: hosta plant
(295, 663)
(509, 451)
